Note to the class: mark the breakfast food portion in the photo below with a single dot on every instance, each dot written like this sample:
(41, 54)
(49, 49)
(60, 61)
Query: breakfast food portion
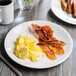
(48, 42)
(69, 6)
(28, 47)
(64, 5)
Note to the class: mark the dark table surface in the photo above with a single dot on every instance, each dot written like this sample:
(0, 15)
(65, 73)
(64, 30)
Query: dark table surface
(40, 11)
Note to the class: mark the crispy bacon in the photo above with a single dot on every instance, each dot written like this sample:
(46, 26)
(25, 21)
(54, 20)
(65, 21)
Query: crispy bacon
(53, 43)
(35, 27)
(58, 50)
(47, 31)
(48, 51)
(43, 33)
(56, 42)
(49, 44)
(46, 34)
(38, 30)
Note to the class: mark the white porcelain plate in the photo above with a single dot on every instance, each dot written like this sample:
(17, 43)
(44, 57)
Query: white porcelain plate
(43, 62)
(57, 10)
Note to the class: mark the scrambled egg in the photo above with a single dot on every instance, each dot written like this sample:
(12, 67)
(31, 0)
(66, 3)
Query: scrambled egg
(26, 48)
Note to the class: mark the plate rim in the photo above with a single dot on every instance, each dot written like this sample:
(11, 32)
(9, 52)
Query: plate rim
(40, 67)
(60, 17)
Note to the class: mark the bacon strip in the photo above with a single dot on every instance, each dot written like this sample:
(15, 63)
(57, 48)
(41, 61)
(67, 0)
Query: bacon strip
(46, 34)
(49, 44)
(38, 30)
(56, 42)
(47, 31)
(49, 52)
(56, 49)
